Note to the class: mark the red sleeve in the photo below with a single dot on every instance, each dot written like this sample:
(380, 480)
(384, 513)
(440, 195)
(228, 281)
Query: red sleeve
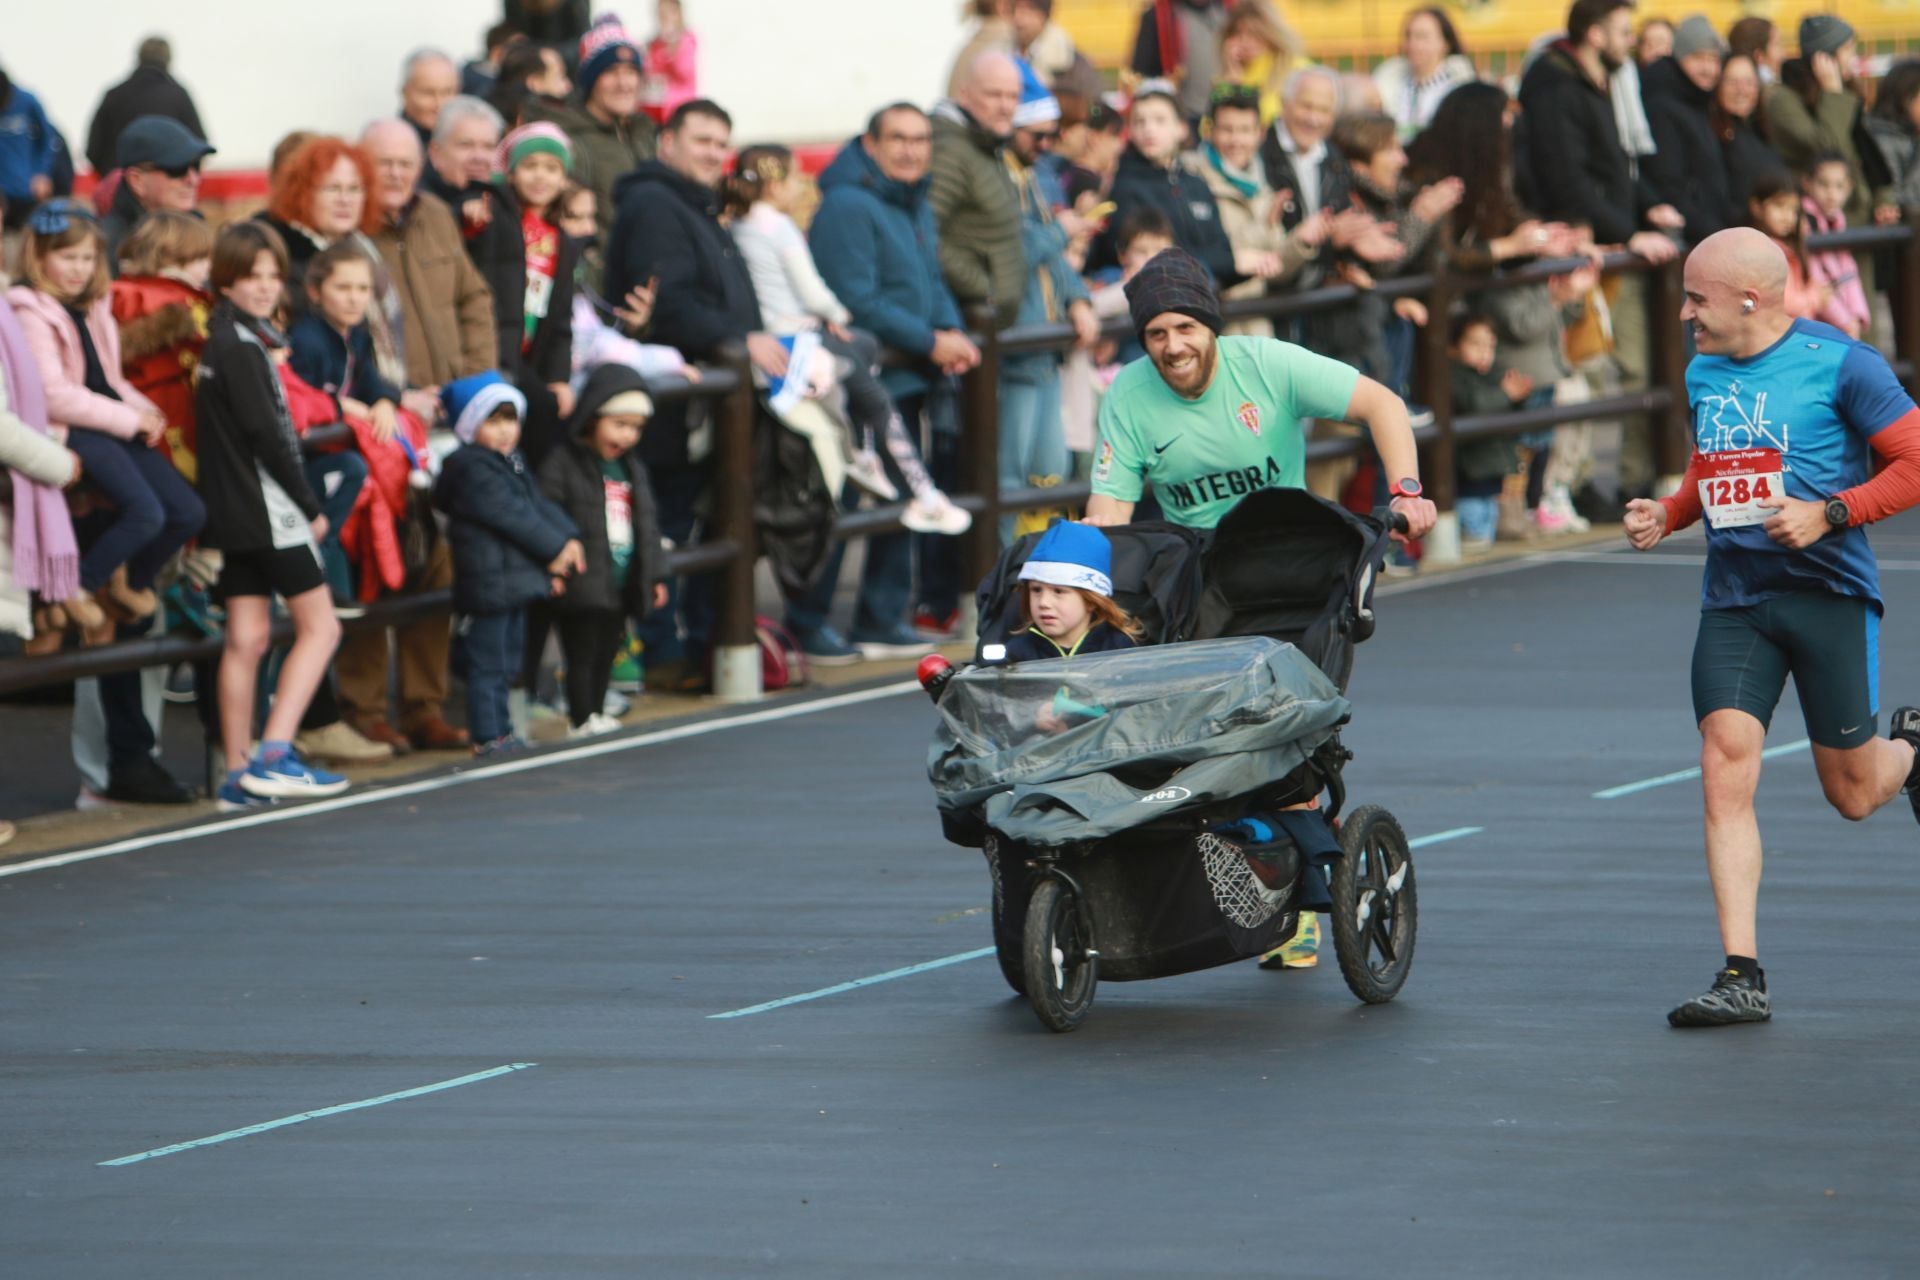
(1897, 486)
(1683, 504)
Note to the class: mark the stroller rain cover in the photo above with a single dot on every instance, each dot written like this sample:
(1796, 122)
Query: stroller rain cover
(1074, 749)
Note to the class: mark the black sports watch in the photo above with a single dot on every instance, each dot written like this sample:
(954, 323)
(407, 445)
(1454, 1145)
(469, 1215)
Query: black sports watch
(1838, 515)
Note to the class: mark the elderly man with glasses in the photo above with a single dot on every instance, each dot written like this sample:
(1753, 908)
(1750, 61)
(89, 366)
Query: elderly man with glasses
(159, 169)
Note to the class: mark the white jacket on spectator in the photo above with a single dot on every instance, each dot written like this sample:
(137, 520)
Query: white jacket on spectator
(792, 295)
(595, 342)
(39, 457)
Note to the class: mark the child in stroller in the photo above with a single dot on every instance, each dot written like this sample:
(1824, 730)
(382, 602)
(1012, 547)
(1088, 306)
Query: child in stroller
(1066, 601)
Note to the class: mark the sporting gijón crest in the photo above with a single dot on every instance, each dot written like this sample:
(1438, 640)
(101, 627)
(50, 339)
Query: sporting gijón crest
(1249, 415)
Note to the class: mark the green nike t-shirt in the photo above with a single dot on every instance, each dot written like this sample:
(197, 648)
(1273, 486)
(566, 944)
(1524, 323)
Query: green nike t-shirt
(1243, 434)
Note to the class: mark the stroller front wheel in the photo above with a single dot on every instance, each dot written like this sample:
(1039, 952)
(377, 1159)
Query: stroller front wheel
(1374, 905)
(1061, 970)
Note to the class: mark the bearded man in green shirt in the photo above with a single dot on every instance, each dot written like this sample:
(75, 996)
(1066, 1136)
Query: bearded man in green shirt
(1211, 419)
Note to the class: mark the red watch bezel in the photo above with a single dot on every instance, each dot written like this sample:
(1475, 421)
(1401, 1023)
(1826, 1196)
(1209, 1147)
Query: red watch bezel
(1404, 488)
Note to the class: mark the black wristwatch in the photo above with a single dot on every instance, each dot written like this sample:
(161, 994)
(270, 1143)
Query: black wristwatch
(1838, 516)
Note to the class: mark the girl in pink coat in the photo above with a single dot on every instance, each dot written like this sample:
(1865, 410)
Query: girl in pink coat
(66, 316)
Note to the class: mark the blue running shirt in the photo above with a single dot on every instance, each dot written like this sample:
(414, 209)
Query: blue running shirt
(1818, 397)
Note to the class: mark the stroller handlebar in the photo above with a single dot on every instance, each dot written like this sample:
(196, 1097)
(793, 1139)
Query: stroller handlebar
(1393, 520)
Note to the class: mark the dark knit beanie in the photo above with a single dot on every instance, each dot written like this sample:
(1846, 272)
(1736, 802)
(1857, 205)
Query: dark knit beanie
(606, 43)
(1173, 280)
(1823, 33)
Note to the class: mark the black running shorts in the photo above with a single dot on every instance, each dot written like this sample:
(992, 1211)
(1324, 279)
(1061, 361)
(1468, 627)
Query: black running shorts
(285, 572)
(1829, 643)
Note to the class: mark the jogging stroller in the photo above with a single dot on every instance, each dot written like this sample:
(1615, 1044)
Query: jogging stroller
(1156, 834)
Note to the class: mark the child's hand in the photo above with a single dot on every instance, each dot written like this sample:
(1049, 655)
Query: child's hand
(1412, 310)
(1047, 720)
(659, 595)
(79, 469)
(386, 423)
(1517, 385)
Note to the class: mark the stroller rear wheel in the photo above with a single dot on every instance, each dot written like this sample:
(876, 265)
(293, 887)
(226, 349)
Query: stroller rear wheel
(1061, 968)
(1374, 905)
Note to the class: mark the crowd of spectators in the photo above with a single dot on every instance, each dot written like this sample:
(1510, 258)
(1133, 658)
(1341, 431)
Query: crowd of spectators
(476, 296)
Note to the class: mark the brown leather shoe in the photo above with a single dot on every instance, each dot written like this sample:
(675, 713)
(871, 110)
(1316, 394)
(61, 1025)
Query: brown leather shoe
(133, 605)
(432, 733)
(379, 730)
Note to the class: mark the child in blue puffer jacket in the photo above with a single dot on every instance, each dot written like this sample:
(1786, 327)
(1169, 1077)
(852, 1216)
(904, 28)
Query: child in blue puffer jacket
(511, 547)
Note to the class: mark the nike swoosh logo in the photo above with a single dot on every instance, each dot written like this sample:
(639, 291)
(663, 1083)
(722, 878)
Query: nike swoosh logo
(1850, 729)
(1162, 448)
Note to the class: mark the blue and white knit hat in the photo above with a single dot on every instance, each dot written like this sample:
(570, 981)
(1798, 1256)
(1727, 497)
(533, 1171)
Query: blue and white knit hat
(1037, 105)
(1072, 555)
(470, 401)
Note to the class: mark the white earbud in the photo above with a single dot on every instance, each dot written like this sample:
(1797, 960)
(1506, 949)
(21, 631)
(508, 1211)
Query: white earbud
(1746, 304)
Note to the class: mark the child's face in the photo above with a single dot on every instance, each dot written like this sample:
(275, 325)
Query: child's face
(1236, 136)
(1140, 251)
(258, 292)
(538, 179)
(344, 295)
(616, 434)
(1058, 613)
(70, 270)
(501, 432)
(1780, 216)
(1386, 166)
(577, 218)
(1477, 348)
(1158, 130)
(1831, 186)
(197, 272)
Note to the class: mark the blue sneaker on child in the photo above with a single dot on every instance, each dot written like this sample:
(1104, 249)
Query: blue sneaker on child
(231, 797)
(288, 777)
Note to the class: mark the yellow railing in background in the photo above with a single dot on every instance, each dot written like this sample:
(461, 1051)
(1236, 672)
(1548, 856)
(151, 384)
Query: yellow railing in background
(1360, 32)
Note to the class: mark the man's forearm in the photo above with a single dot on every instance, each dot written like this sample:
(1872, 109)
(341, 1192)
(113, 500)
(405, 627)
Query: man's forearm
(1102, 510)
(1392, 433)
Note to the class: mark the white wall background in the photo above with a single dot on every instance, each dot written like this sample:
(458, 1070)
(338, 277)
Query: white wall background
(788, 70)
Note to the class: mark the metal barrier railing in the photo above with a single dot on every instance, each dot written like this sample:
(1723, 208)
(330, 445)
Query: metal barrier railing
(730, 549)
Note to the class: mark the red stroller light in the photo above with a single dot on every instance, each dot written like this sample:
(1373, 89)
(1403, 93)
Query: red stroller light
(933, 672)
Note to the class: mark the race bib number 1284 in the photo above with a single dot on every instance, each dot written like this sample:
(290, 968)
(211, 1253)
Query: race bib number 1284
(1741, 487)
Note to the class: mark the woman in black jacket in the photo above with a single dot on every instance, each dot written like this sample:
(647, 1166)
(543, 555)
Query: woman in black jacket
(597, 478)
(1740, 126)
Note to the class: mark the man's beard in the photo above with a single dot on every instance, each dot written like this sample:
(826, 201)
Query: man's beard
(1202, 374)
(1611, 64)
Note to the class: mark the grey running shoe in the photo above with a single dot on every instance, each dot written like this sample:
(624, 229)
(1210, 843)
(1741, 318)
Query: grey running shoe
(1905, 727)
(1733, 997)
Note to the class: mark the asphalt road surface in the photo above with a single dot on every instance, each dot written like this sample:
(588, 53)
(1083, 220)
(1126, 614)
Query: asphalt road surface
(1521, 1110)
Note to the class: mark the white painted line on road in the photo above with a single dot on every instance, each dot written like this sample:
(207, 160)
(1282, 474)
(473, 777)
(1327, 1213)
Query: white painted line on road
(1648, 784)
(305, 1116)
(1441, 837)
(856, 984)
(480, 773)
(841, 988)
